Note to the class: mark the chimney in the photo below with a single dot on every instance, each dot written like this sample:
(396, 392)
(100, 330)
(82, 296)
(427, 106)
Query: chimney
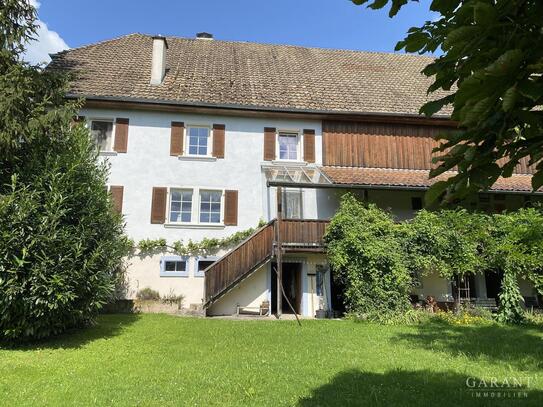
(158, 64)
(204, 36)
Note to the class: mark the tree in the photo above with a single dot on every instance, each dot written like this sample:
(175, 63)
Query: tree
(491, 69)
(61, 242)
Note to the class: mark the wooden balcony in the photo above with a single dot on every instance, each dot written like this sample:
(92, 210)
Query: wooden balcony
(294, 236)
(302, 235)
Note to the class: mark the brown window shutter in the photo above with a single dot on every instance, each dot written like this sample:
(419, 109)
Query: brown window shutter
(121, 135)
(269, 143)
(309, 145)
(176, 140)
(231, 208)
(116, 192)
(218, 140)
(158, 205)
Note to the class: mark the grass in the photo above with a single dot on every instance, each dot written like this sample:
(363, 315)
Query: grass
(166, 360)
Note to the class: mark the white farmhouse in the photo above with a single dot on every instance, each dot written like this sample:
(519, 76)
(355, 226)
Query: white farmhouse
(205, 136)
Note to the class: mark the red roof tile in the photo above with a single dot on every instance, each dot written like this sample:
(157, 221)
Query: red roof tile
(414, 178)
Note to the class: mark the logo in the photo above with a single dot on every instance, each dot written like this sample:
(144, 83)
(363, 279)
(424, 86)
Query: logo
(514, 387)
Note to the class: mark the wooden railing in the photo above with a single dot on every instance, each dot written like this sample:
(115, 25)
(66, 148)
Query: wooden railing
(303, 233)
(239, 262)
(256, 250)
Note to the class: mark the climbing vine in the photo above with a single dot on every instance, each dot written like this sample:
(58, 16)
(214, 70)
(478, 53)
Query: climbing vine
(372, 254)
(204, 247)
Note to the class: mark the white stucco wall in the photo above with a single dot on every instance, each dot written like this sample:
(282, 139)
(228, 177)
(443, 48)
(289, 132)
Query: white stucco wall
(148, 164)
(250, 293)
(435, 286)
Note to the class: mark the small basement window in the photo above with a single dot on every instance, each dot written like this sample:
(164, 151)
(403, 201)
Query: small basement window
(102, 134)
(173, 266)
(202, 264)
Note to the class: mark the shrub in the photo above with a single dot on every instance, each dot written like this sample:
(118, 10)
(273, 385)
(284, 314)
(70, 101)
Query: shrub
(410, 316)
(61, 243)
(366, 256)
(148, 294)
(172, 298)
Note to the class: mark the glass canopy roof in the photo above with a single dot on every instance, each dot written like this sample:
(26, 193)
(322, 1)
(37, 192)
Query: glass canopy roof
(289, 175)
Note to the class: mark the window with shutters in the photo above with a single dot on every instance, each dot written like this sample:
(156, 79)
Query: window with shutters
(181, 205)
(174, 266)
(195, 206)
(102, 134)
(289, 146)
(210, 206)
(198, 141)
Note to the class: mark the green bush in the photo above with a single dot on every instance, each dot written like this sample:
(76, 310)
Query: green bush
(148, 294)
(61, 243)
(366, 256)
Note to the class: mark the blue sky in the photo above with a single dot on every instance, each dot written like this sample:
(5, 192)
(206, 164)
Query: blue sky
(316, 23)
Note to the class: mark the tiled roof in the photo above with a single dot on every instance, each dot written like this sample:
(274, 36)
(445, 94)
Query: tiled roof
(243, 74)
(413, 178)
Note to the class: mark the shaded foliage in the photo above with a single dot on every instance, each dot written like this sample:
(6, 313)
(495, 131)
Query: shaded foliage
(61, 242)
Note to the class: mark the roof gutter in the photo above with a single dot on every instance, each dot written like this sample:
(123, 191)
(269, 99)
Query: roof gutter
(444, 119)
(382, 187)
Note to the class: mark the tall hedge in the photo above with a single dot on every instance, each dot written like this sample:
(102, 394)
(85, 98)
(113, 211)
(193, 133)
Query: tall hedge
(61, 242)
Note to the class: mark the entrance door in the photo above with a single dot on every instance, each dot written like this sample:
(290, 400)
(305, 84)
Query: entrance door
(292, 284)
(313, 299)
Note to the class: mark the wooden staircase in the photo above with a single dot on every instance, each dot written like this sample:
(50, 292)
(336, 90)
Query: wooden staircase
(259, 248)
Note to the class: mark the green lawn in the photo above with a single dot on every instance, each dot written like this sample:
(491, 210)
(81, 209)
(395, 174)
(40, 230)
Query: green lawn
(166, 360)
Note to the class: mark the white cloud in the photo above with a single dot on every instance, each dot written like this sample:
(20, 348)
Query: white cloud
(47, 42)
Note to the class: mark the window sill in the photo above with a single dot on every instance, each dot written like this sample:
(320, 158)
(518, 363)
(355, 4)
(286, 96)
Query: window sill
(196, 158)
(173, 274)
(193, 226)
(200, 275)
(107, 153)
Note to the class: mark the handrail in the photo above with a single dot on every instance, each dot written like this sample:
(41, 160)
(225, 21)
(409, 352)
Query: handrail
(257, 249)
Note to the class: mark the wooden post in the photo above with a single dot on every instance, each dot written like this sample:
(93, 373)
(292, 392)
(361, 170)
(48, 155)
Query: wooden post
(279, 252)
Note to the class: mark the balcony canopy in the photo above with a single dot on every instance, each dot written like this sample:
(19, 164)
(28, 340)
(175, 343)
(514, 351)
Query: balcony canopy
(296, 176)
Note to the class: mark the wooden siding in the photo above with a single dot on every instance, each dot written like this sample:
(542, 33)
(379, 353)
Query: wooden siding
(384, 145)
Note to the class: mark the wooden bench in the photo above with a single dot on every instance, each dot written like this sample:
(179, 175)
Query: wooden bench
(262, 310)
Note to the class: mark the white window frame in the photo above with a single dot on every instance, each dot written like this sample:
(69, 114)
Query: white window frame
(111, 120)
(197, 261)
(299, 191)
(186, 144)
(164, 273)
(299, 145)
(221, 202)
(168, 215)
(195, 215)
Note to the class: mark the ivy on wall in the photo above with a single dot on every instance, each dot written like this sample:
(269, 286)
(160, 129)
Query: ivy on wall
(204, 247)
